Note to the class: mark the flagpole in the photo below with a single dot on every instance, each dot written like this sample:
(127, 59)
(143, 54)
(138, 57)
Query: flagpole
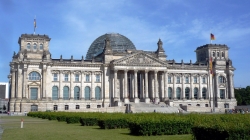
(35, 25)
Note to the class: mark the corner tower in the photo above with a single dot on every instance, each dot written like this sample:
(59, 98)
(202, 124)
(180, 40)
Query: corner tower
(33, 46)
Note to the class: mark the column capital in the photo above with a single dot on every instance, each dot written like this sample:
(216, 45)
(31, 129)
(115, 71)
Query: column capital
(146, 71)
(125, 70)
(135, 71)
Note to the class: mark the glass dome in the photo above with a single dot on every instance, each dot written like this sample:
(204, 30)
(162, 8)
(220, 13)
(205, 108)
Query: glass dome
(118, 42)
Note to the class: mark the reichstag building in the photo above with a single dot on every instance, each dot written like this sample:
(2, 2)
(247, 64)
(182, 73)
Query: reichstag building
(115, 73)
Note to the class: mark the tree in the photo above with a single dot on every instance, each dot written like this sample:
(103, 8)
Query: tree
(242, 96)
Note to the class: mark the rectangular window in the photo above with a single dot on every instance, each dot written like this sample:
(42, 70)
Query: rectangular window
(187, 80)
(77, 77)
(169, 79)
(55, 107)
(77, 106)
(66, 107)
(66, 77)
(195, 79)
(178, 79)
(203, 80)
(222, 93)
(87, 78)
(98, 78)
(55, 77)
(33, 93)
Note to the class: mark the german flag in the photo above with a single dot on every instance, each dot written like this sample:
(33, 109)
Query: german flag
(212, 36)
(34, 23)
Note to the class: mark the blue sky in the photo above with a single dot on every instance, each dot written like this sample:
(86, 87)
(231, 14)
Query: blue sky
(182, 25)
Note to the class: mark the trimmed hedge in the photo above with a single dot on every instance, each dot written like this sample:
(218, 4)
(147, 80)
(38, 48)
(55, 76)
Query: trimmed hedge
(201, 126)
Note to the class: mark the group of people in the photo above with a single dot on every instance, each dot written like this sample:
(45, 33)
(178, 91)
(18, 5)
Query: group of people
(234, 111)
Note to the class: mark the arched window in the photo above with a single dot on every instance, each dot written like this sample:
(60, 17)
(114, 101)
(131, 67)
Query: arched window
(41, 46)
(87, 93)
(222, 79)
(98, 93)
(187, 91)
(204, 91)
(76, 93)
(65, 93)
(169, 92)
(54, 93)
(178, 93)
(34, 46)
(28, 46)
(222, 54)
(213, 54)
(218, 54)
(34, 76)
(195, 92)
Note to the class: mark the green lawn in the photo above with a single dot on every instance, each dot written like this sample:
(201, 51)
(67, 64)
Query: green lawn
(40, 129)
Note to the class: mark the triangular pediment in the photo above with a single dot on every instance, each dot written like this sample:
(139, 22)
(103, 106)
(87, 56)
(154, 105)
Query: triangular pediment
(34, 83)
(139, 58)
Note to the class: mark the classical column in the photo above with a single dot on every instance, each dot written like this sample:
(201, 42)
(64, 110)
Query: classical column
(115, 85)
(191, 95)
(25, 81)
(13, 81)
(44, 82)
(166, 85)
(183, 87)
(82, 86)
(200, 87)
(231, 85)
(60, 85)
(174, 89)
(92, 86)
(71, 92)
(156, 87)
(162, 82)
(19, 83)
(136, 99)
(147, 100)
(126, 100)
(217, 85)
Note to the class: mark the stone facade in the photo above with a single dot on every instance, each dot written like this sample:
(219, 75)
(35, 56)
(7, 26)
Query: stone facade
(114, 77)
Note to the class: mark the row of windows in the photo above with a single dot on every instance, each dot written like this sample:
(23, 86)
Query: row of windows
(66, 107)
(218, 54)
(55, 93)
(77, 79)
(34, 76)
(34, 46)
(178, 79)
(187, 92)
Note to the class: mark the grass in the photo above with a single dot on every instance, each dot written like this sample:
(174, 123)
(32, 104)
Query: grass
(41, 129)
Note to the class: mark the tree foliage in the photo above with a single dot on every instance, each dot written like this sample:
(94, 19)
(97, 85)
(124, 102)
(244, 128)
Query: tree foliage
(242, 96)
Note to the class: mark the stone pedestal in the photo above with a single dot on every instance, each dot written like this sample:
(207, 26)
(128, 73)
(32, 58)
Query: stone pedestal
(126, 101)
(147, 100)
(157, 100)
(136, 100)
